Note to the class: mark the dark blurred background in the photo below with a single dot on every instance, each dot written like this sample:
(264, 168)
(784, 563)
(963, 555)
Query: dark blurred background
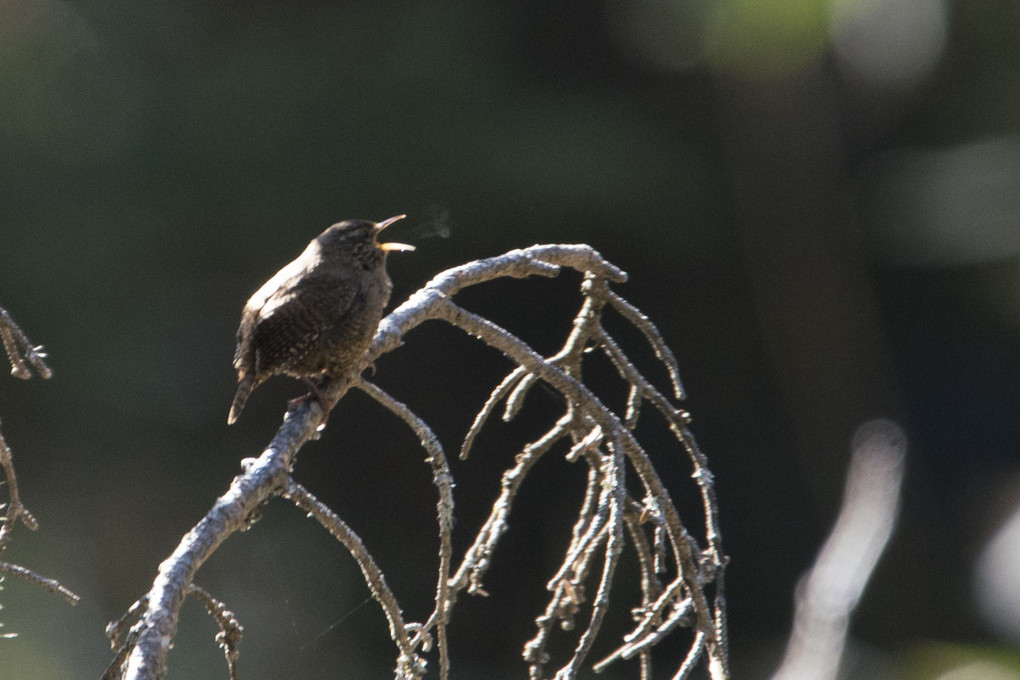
(817, 202)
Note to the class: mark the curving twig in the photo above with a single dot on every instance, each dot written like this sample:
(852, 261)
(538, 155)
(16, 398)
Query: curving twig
(444, 511)
(409, 664)
(230, 628)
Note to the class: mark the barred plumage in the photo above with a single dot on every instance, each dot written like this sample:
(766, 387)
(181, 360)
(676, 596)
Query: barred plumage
(317, 315)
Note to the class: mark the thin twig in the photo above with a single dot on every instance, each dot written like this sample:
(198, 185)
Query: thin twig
(115, 629)
(478, 557)
(444, 509)
(697, 649)
(651, 333)
(230, 628)
(614, 473)
(408, 662)
(498, 394)
(578, 393)
(581, 551)
(16, 510)
(677, 420)
(120, 658)
(627, 651)
(710, 620)
(13, 340)
(21, 350)
(49, 584)
(515, 401)
(567, 591)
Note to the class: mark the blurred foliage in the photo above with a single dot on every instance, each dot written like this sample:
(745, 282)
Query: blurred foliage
(158, 161)
(961, 662)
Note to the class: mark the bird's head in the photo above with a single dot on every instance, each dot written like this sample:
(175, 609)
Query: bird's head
(358, 240)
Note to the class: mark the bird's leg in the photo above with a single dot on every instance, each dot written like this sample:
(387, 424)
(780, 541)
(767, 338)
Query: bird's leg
(317, 395)
(314, 391)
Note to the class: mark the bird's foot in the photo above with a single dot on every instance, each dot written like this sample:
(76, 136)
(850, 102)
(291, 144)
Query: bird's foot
(317, 395)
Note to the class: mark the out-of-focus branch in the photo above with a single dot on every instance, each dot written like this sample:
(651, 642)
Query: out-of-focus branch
(22, 354)
(830, 591)
(16, 511)
(20, 350)
(16, 344)
(49, 584)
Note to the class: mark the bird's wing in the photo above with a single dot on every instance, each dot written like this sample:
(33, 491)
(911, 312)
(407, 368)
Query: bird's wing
(295, 318)
(275, 288)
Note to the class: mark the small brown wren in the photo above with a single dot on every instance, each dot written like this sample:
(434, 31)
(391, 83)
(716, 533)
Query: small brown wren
(317, 316)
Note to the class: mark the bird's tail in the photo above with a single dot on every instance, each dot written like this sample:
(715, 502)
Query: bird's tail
(244, 388)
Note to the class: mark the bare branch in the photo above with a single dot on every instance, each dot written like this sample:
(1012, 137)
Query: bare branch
(613, 471)
(533, 261)
(645, 325)
(408, 664)
(653, 626)
(262, 478)
(49, 584)
(502, 389)
(599, 438)
(16, 511)
(697, 649)
(478, 557)
(21, 350)
(579, 394)
(679, 616)
(115, 629)
(230, 628)
(444, 510)
(116, 666)
(516, 399)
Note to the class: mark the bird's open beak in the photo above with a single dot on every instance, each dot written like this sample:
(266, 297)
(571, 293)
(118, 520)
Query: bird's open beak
(392, 246)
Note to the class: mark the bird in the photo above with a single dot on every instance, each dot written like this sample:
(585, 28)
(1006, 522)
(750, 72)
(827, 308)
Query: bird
(317, 316)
